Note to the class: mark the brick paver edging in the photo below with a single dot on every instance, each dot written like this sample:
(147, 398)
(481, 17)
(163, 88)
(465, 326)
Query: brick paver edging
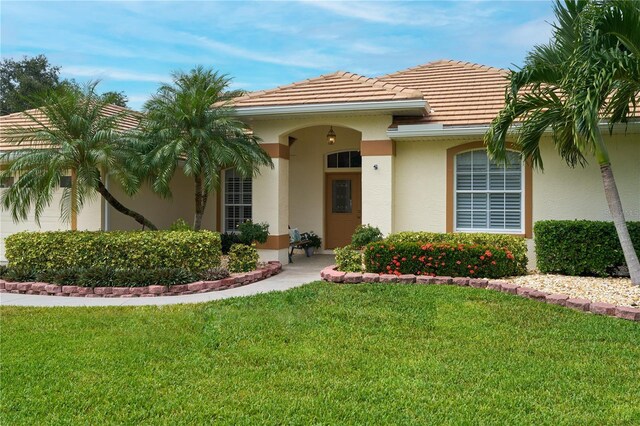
(235, 280)
(331, 274)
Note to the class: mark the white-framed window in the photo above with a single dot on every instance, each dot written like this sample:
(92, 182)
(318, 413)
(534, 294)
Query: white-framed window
(236, 200)
(488, 197)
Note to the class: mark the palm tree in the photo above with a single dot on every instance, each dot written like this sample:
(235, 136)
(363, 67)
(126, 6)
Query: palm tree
(75, 132)
(589, 70)
(191, 123)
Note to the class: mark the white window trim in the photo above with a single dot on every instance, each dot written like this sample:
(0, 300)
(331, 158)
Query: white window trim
(223, 201)
(513, 191)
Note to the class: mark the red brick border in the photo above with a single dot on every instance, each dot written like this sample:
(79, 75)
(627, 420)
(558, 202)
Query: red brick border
(625, 312)
(235, 280)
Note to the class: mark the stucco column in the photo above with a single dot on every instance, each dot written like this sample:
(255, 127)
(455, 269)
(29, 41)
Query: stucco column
(378, 158)
(271, 202)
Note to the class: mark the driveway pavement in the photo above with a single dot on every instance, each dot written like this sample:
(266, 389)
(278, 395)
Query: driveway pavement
(303, 270)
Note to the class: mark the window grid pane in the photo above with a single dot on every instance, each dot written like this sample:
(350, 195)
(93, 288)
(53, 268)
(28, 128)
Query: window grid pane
(344, 159)
(488, 195)
(237, 199)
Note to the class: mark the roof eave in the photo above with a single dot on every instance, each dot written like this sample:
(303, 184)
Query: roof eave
(411, 107)
(408, 131)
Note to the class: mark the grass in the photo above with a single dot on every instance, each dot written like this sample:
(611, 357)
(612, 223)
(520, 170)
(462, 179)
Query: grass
(321, 354)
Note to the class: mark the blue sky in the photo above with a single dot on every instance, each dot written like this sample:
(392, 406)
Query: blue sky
(133, 45)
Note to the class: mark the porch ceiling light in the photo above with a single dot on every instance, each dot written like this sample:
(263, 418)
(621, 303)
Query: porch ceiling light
(331, 136)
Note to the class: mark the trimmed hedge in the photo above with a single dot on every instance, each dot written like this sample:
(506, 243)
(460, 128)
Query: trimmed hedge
(581, 247)
(42, 251)
(461, 260)
(516, 245)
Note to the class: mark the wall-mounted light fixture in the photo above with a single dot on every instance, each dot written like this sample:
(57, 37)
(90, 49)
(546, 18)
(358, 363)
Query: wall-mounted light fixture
(375, 167)
(331, 136)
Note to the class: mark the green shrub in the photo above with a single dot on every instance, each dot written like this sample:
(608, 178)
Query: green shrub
(180, 225)
(97, 276)
(214, 274)
(253, 232)
(243, 258)
(3, 271)
(516, 245)
(365, 234)
(41, 251)
(348, 259)
(461, 260)
(227, 240)
(66, 276)
(20, 273)
(581, 247)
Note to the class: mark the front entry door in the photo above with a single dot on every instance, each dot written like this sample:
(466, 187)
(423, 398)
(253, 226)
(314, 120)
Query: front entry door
(343, 208)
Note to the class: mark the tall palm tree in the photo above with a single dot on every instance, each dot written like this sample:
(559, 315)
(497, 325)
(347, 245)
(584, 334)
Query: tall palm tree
(74, 132)
(590, 70)
(191, 123)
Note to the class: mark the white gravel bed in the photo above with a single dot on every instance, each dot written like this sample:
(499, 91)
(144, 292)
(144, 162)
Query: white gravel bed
(618, 291)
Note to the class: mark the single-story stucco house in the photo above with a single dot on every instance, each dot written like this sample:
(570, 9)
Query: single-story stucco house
(402, 152)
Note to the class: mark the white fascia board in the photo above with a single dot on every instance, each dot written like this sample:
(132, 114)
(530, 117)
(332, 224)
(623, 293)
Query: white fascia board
(419, 105)
(427, 130)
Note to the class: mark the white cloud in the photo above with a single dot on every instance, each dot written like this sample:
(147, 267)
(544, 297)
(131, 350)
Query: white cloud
(530, 33)
(387, 13)
(112, 74)
(307, 58)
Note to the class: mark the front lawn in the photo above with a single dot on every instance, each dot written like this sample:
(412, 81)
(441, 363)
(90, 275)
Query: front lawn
(322, 354)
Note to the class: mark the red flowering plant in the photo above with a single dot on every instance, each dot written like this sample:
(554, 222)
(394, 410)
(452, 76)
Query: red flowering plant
(458, 260)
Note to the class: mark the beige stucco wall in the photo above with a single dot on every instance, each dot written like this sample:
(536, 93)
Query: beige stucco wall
(558, 193)
(161, 212)
(89, 218)
(372, 127)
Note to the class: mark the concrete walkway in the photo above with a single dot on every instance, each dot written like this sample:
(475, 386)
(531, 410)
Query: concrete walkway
(303, 270)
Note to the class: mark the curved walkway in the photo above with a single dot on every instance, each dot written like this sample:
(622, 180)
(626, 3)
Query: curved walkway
(302, 271)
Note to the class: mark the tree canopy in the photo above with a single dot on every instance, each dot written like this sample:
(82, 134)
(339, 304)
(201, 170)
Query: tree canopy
(24, 82)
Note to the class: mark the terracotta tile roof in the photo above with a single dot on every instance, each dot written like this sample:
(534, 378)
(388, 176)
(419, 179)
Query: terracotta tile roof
(21, 120)
(459, 93)
(331, 88)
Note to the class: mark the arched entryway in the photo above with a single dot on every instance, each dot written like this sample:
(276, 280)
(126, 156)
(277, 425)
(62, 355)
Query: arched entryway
(325, 183)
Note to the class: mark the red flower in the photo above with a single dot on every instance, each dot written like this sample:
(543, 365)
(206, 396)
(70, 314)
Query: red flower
(471, 271)
(493, 262)
(458, 262)
(481, 257)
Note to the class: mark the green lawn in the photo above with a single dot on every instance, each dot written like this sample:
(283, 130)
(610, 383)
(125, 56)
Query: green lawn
(322, 354)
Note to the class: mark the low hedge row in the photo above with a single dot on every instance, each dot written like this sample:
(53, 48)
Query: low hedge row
(461, 260)
(581, 247)
(41, 251)
(100, 276)
(516, 245)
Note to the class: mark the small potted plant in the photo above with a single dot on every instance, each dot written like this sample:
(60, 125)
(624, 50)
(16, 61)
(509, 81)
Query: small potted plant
(311, 241)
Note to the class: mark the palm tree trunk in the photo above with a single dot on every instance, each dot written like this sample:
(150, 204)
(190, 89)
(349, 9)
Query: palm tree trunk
(200, 203)
(122, 209)
(74, 200)
(615, 207)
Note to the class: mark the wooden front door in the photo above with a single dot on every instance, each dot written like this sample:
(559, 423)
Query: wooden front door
(343, 208)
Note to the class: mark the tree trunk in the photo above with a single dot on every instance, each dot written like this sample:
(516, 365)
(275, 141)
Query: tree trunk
(200, 203)
(122, 209)
(615, 207)
(74, 200)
